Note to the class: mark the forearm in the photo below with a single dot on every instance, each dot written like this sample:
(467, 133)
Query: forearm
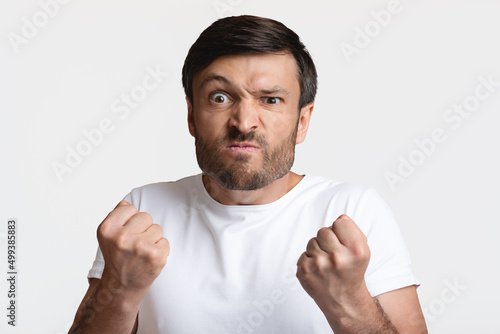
(107, 310)
(134, 253)
(361, 316)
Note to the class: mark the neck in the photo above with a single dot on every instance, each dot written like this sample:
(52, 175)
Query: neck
(265, 195)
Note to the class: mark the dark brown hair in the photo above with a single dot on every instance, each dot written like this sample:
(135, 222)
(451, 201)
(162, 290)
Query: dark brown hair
(248, 34)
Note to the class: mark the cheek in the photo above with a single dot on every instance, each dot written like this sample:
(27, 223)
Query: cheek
(280, 127)
(210, 127)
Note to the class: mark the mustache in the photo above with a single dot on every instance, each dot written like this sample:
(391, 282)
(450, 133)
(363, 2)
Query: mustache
(234, 135)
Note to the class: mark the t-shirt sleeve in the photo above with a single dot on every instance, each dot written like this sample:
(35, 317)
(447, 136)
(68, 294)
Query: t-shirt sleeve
(390, 265)
(98, 265)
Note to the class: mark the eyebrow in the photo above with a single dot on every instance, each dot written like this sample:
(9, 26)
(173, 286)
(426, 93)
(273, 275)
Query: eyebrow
(214, 77)
(271, 91)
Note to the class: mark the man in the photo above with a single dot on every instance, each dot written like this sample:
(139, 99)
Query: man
(242, 232)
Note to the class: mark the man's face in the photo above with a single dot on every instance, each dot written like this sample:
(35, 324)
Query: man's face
(244, 119)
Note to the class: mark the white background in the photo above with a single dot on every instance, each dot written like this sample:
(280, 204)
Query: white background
(369, 112)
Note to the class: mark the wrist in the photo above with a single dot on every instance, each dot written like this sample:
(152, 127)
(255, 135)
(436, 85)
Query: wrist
(349, 310)
(109, 309)
(110, 292)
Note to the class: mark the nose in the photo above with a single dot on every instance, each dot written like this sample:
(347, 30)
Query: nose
(244, 116)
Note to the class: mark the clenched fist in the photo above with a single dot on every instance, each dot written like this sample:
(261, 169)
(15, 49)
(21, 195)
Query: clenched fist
(332, 268)
(133, 247)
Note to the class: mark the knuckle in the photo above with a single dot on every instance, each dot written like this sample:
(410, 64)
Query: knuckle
(145, 217)
(312, 242)
(155, 256)
(122, 240)
(163, 260)
(310, 267)
(303, 267)
(310, 246)
(104, 230)
(140, 246)
(156, 229)
(128, 209)
(361, 251)
(320, 262)
(343, 217)
(164, 251)
(323, 232)
(302, 271)
(166, 247)
(340, 262)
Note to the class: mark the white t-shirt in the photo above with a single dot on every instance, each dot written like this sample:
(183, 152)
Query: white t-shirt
(231, 269)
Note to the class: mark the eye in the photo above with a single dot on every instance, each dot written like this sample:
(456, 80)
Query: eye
(271, 100)
(219, 97)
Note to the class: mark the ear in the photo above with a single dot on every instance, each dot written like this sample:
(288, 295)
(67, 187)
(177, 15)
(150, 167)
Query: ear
(304, 119)
(190, 117)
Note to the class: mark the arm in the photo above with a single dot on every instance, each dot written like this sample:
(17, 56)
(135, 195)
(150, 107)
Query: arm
(332, 269)
(403, 308)
(134, 252)
(98, 314)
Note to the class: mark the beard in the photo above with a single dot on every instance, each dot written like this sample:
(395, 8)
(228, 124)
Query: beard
(239, 174)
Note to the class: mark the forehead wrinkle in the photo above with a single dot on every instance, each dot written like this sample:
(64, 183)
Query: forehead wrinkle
(271, 91)
(214, 77)
(257, 84)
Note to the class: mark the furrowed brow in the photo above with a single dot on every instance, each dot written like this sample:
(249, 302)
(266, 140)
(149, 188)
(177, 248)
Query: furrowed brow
(276, 90)
(214, 77)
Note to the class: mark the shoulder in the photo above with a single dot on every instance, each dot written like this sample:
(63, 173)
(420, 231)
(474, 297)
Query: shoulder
(363, 204)
(162, 192)
(321, 187)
